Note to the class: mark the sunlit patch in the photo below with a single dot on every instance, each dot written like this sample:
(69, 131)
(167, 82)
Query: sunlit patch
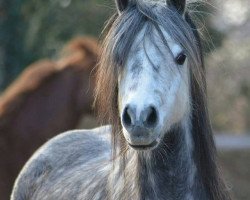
(235, 12)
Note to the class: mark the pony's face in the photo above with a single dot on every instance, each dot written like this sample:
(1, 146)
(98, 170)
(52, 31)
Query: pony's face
(153, 89)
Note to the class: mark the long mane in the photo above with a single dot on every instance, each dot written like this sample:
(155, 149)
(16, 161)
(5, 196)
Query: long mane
(121, 31)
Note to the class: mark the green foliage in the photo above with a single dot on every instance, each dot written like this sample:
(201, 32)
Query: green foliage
(11, 40)
(51, 23)
(31, 30)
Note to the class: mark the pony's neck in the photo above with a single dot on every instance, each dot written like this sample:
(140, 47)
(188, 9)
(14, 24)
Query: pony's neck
(168, 172)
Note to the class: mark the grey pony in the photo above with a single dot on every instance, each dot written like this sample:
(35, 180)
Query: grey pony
(89, 165)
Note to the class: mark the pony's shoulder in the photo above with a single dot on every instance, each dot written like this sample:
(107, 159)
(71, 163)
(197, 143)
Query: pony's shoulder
(75, 139)
(65, 151)
(74, 144)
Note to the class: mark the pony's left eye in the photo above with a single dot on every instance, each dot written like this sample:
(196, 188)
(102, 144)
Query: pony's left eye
(180, 59)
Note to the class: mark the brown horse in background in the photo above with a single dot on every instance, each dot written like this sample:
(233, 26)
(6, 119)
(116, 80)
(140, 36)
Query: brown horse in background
(49, 97)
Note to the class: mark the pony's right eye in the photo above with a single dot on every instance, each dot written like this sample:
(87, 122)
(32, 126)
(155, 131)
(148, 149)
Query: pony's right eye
(180, 59)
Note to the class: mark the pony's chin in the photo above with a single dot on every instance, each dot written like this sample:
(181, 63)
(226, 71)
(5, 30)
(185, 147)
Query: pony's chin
(150, 146)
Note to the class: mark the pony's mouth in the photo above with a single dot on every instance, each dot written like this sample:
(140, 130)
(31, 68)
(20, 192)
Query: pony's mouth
(144, 147)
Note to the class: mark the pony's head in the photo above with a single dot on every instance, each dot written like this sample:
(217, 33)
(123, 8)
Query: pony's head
(149, 56)
(153, 88)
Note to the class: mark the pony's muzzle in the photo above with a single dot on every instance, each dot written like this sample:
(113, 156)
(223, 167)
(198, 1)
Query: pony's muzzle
(140, 128)
(148, 117)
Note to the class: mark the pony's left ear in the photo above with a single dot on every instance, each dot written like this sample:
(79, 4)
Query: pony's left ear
(121, 5)
(180, 5)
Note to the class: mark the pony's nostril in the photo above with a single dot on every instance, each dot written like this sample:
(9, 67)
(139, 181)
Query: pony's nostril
(152, 118)
(126, 117)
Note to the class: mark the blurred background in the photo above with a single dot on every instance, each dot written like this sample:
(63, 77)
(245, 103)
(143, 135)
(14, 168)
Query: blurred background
(48, 50)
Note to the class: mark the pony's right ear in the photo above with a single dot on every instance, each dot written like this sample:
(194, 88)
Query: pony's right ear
(121, 5)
